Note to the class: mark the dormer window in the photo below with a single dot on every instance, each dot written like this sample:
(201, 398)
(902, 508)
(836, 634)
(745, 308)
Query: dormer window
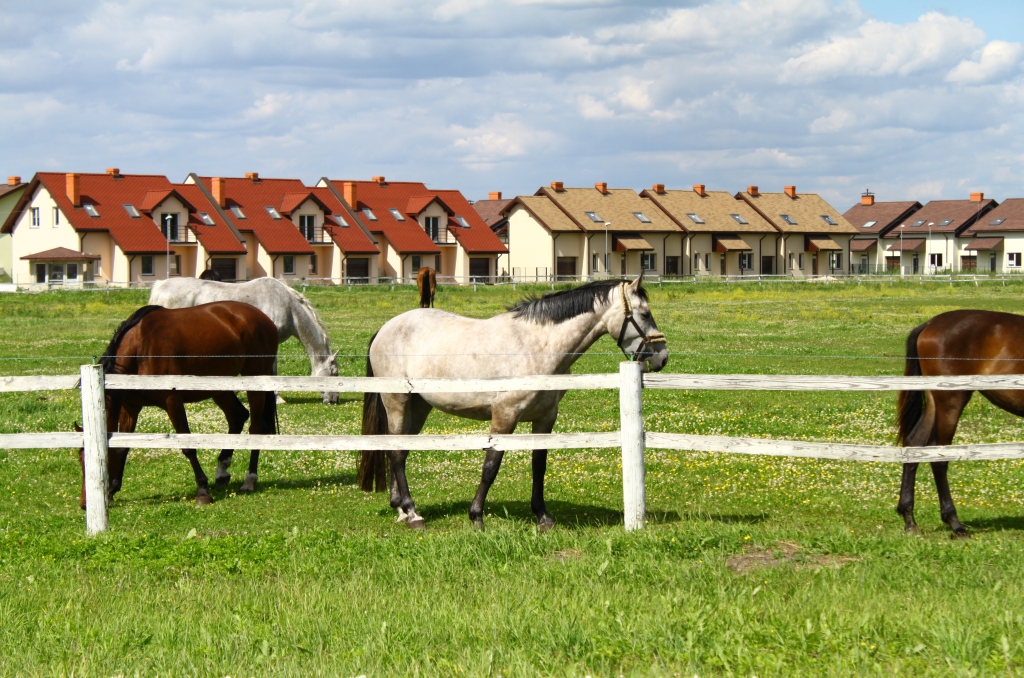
(341, 220)
(739, 219)
(206, 218)
(462, 221)
(869, 224)
(396, 214)
(694, 218)
(829, 220)
(130, 209)
(788, 219)
(593, 217)
(369, 214)
(642, 218)
(90, 209)
(237, 211)
(274, 214)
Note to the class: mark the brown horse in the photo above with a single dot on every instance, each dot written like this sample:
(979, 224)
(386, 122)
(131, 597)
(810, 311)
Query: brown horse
(956, 343)
(426, 280)
(225, 338)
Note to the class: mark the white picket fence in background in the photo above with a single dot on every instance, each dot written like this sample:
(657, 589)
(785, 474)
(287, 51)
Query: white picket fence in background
(631, 436)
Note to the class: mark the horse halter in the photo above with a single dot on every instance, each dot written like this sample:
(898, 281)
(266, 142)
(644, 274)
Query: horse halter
(645, 338)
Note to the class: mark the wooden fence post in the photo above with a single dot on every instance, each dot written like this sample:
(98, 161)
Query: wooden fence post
(631, 416)
(94, 425)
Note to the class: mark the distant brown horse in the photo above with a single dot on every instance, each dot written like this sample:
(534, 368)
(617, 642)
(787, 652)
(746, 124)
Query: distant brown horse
(426, 280)
(957, 343)
(225, 338)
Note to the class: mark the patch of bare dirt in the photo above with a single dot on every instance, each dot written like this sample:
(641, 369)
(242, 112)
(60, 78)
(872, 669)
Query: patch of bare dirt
(566, 554)
(784, 553)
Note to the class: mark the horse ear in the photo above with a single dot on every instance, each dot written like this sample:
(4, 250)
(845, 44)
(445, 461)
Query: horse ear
(636, 284)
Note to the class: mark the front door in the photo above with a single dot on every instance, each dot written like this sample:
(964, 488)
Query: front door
(915, 262)
(480, 268)
(359, 269)
(814, 264)
(227, 268)
(722, 264)
(767, 265)
(40, 273)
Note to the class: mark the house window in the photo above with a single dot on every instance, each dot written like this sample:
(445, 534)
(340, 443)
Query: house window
(671, 265)
(56, 273)
(312, 264)
(935, 260)
(869, 224)
(707, 262)
(341, 220)
(649, 260)
(919, 222)
(800, 261)
(642, 218)
(274, 214)
(169, 225)
(35, 217)
(206, 218)
(594, 217)
(828, 220)
(835, 260)
(997, 222)
(432, 226)
(739, 219)
(595, 262)
(147, 265)
(416, 265)
(368, 213)
(789, 220)
(289, 264)
(307, 224)
(56, 217)
(694, 218)
(696, 262)
(1013, 259)
(791, 260)
(396, 214)
(130, 209)
(72, 271)
(175, 265)
(746, 261)
(90, 209)
(462, 221)
(237, 211)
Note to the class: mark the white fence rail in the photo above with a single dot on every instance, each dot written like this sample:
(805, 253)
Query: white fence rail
(631, 438)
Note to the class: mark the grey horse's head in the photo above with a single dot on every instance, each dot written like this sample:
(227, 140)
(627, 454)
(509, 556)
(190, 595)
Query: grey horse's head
(331, 397)
(634, 328)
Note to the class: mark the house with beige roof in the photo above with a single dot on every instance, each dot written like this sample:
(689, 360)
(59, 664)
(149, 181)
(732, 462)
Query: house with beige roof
(930, 241)
(724, 236)
(995, 242)
(873, 221)
(815, 238)
(574, 233)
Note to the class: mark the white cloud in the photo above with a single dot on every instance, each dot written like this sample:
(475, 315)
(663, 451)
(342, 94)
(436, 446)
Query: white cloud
(997, 59)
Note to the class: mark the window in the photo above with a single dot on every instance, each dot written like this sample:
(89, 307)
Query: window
(694, 218)
(1013, 259)
(696, 263)
(641, 217)
(789, 220)
(416, 263)
(176, 265)
(237, 211)
(595, 262)
(997, 222)
(56, 273)
(90, 209)
(462, 221)
(369, 214)
(35, 217)
(835, 260)
(829, 220)
(312, 264)
(935, 260)
(791, 260)
(946, 222)
(130, 209)
(169, 225)
(288, 264)
(746, 261)
(56, 217)
(800, 261)
(432, 226)
(593, 217)
(274, 214)
(307, 224)
(649, 261)
(396, 214)
(147, 265)
(869, 224)
(739, 219)
(707, 262)
(919, 222)
(341, 220)
(671, 265)
(206, 218)
(72, 271)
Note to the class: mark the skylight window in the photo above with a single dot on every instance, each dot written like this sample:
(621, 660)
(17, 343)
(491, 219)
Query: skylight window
(694, 218)
(919, 222)
(739, 219)
(788, 219)
(593, 217)
(396, 214)
(829, 220)
(90, 209)
(947, 222)
(369, 214)
(237, 211)
(274, 214)
(207, 219)
(869, 224)
(642, 218)
(462, 221)
(130, 209)
(341, 220)
(997, 222)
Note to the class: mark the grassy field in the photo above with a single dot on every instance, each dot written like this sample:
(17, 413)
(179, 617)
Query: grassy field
(748, 566)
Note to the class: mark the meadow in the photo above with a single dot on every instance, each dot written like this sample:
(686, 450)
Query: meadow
(747, 566)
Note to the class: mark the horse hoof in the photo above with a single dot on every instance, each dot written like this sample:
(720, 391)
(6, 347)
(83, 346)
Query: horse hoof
(221, 481)
(478, 524)
(913, 531)
(960, 533)
(203, 499)
(246, 489)
(544, 524)
(416, 524)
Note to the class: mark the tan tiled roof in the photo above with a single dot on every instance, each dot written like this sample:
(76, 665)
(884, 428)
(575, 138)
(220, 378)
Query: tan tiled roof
(546, 212)
(806, 210)
(714, 209)
(617, 206)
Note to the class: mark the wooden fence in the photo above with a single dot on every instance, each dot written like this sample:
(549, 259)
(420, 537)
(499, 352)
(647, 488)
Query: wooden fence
(631, 437)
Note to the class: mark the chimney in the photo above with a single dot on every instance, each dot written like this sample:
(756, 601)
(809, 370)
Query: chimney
(658, 188)
(494, 195)
(752, 191)
(73, 190)
(114, 172)
(791, 191)
(218, 191)
(867, 198)
(13, 181)
(379, 180)
(602, 186)
(699, 190)
(977, 197)
(557, 185)
(349, 189)
(254, 176)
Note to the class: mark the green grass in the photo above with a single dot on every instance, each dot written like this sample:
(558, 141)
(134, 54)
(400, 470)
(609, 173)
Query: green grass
(748, 565)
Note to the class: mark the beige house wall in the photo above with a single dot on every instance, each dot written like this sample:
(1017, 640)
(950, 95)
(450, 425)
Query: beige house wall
(529, 245)
(804, 266)
(325, 251)
(339, 265)
(256, 262)
(1012, 243)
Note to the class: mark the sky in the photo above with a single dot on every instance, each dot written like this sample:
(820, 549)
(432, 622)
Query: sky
(910, 98)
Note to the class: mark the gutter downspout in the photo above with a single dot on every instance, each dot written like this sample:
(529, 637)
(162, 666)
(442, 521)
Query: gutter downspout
(554, 258)
(785, 248)
(664, 252)
(131, 260)
(590, 256)
(689, 252)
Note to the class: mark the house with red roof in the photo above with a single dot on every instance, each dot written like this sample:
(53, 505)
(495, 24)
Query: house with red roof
(995, 242)
(125, 228)
(929, 240)
(415, 226)
(873, 221)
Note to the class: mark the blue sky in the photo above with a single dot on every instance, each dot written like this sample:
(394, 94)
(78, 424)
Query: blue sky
(912, 99)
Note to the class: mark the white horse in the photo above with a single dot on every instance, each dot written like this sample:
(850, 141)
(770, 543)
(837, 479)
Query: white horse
(290, 311)
(536, 336)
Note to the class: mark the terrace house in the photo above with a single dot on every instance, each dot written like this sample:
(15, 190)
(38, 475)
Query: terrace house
(585, 232)
(492, 211)
(929, 240)
(873, 220)
(995, 242)
(9, 194)
(815, 237)
(724, 236)
(69, 228)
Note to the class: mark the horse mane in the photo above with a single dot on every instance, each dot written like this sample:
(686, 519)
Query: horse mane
(109, 357)
(560, 306)
(304, 302)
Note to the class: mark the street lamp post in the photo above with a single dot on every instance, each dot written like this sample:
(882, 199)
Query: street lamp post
(607, 254)
(928, 245)
(901, 249)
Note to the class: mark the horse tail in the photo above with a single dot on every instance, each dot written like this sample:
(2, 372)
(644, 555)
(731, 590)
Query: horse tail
(915, 410)
(423, 279)
(433, 286)
(373, 467)
(270, 413)
(109, 358)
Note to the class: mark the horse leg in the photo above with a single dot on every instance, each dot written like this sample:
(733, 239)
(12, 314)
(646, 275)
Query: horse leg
(949, 406)
(236, 415)
(118, 457)
(262, 404)
(906, 506)
(540, 466)
(179, 419)
(406, 416)
(501, 422)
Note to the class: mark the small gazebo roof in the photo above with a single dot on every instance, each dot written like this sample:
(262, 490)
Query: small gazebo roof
(61, 254)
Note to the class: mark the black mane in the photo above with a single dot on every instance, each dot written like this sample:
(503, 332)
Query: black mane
(565, 304)
(110, 355)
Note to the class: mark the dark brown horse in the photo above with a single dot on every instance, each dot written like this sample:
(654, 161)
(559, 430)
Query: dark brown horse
(426, 280)
(226, 338)
(956, 343)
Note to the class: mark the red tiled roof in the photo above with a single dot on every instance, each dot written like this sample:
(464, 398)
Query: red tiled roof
(478, 238)
(418, 203)
(216, 239)
(351, 239)
(277, 236)
(1011, 211)
(885, 215)
(407, 237)
(61, 254)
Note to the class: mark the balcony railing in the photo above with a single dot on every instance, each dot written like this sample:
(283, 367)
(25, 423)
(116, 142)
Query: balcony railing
(316, 236)
(180, 236)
